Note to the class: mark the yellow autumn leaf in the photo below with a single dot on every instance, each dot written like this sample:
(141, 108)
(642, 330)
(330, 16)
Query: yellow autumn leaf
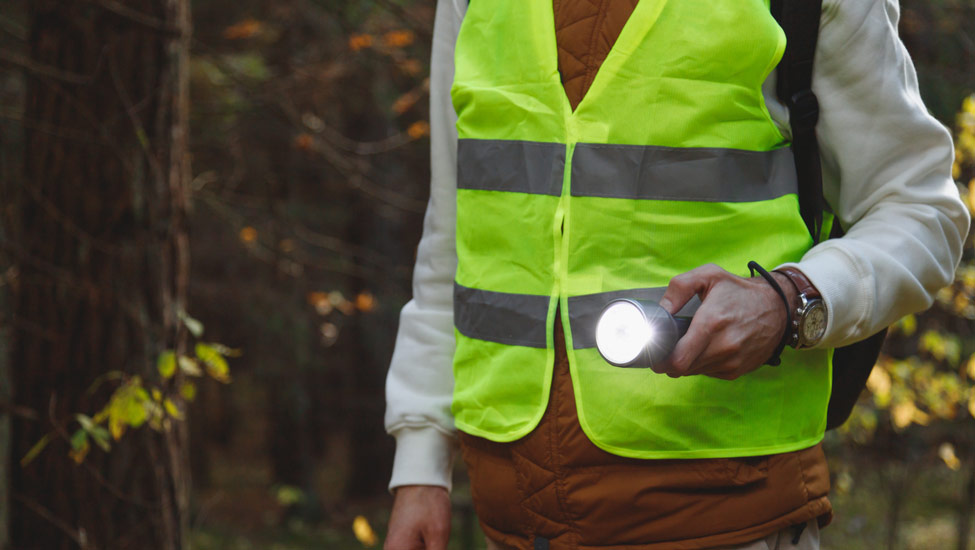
(920, 417)
(902, 414)
(365, 302)
(304, 142)
(116, 427)
(418, 129)
(947, 453)
(321, 303)
(398, 39)
(360, 41)
(405, 101)
(411, 67)
(907, 325)
(363, 532)
(248, 234)
(244, 29)
(879, 383)
(172, 410)
(216, 365)
(968, 104)
(78, 454)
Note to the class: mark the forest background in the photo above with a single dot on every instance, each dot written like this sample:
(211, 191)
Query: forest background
(209, 213)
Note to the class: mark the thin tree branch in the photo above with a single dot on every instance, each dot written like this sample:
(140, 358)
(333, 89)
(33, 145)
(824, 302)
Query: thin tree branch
(47, 71)
(76, 535)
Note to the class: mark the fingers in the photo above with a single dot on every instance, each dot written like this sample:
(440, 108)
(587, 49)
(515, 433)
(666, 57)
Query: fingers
(685, 286)
(687, 350)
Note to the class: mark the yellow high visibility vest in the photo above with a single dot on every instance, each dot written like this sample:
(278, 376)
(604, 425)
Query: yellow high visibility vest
(670, 161)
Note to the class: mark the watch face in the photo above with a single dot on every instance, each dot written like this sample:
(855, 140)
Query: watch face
(814, 323)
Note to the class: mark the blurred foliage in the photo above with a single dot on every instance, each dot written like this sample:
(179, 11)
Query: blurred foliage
(136, 402)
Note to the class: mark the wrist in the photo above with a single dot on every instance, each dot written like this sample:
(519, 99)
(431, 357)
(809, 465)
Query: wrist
(809, 313)
(790, 289)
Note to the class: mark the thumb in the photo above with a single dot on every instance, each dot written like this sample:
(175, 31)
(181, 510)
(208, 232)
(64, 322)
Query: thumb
(685, 286)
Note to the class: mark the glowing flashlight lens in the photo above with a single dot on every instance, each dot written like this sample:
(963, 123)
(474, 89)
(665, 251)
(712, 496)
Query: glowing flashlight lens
(622, 333)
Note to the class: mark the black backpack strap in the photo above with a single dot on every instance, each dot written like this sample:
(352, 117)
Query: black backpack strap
(800, 21)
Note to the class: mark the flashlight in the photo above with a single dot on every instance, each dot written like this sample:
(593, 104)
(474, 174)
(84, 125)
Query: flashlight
(637, 333)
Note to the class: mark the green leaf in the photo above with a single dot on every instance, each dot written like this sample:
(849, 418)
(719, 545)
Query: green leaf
(127, 406)
(166, 364)
(189, 366)
(188, 391)
(216, 365)
(35, 450)
(288, 495)
(101, 436)
(249, 65)
(79, 439)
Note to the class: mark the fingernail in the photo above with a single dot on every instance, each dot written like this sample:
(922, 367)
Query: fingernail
(666, 304)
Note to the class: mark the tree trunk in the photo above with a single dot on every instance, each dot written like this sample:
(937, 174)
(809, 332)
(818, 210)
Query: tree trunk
(98, 236)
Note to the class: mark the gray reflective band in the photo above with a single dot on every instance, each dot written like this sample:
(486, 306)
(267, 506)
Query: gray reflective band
(514, 319)
(519, 319)
(627, 171)
(515, 166)
(681, 174)
(584, 311)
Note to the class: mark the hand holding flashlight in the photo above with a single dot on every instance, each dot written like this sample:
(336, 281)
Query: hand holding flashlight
(736, 328)
(740, 322)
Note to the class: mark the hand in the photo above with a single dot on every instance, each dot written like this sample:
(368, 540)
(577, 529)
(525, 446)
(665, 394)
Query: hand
(737, 328)
(420, 519)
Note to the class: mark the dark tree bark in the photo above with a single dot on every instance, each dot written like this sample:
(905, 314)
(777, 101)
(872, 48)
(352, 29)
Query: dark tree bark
(98, 236)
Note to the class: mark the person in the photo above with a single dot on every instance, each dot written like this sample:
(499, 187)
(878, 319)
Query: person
(587, 150)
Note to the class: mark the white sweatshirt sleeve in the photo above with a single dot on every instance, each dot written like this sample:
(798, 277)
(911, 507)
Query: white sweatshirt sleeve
(886, 174)
(420, 382)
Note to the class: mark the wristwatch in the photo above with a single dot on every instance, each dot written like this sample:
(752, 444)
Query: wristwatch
(809, 319)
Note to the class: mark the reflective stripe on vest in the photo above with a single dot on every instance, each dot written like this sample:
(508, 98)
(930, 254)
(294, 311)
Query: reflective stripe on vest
(670, 161)
(627, 171)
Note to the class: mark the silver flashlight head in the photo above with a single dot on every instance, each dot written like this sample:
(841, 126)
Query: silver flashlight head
(637, 333)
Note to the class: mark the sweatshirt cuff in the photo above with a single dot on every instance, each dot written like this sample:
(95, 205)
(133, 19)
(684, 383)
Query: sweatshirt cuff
(847, 293)
(424, 456)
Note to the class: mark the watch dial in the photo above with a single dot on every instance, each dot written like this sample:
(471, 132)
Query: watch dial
(814, 325)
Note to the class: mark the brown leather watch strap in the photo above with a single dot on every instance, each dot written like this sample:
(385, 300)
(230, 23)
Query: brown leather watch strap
(803, 285)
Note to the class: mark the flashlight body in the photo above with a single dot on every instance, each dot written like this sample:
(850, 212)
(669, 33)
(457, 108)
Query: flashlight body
(683, 323)
(660, 335)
